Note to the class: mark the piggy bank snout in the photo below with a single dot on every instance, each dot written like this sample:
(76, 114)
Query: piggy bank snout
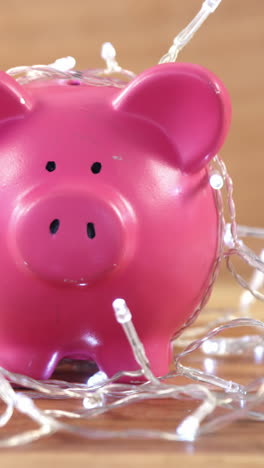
(73, 238)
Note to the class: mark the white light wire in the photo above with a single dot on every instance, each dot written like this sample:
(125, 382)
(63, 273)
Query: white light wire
(63, 68)
(111, 395)
(101, 395)
(182, 39)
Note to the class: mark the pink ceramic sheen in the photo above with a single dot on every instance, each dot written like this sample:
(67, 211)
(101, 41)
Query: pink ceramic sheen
(141, 225)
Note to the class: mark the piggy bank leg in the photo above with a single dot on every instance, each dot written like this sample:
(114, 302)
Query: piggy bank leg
(159, 354)
(115, 358)
(33, 363)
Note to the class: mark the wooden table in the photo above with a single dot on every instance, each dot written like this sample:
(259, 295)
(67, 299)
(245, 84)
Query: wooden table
(240, 444)
(231, 43)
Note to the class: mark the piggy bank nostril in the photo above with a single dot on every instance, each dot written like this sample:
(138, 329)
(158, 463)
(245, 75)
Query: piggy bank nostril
(90, 230)
(54, 226)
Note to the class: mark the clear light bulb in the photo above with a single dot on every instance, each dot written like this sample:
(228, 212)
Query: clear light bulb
(187, 430)
(64, 63)
(108, 51)
(211, 4)
(108, 54)
(122, 312)
(97, 379)
(216, 181)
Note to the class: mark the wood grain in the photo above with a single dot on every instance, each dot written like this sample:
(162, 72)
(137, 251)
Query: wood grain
(231, 44)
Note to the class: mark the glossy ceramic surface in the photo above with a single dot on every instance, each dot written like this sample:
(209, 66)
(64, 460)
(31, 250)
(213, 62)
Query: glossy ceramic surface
(105, 193)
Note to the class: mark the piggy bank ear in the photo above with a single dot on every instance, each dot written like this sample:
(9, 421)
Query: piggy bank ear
(188, 103)
(14, 99)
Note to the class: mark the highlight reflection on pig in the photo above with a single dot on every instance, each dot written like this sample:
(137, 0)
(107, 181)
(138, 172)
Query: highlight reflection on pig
(105, 193)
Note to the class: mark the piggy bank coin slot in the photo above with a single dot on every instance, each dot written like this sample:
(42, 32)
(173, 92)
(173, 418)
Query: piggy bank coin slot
(73, 82)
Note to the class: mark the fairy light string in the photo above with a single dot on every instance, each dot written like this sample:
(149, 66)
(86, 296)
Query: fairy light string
(100, 394)
(181, 40)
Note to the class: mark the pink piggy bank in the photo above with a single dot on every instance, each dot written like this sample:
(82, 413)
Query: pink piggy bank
(105, 193)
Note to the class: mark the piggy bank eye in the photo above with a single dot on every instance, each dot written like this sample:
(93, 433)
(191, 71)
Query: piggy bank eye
(96, 167)
(51, 166)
